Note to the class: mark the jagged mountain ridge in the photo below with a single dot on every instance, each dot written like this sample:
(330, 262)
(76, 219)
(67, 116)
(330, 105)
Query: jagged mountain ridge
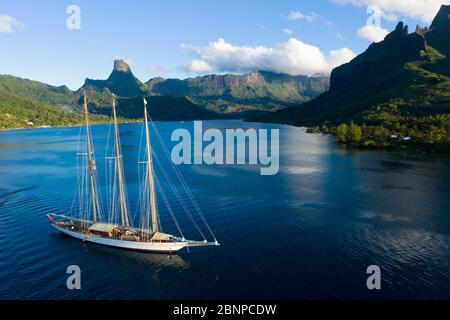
(204, 97)
(220, 93)
(121, 81)
(249, 87)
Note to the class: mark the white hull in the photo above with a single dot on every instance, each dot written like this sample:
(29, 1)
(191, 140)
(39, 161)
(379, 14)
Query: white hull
(161, 247)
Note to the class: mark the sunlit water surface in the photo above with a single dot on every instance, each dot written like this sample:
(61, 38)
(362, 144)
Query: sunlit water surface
(308, 232)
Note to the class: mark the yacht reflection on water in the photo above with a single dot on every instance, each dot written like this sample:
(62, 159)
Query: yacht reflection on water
(155, 260)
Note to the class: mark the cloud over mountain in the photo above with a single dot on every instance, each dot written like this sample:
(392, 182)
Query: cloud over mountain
(292, 57)
(372, 33)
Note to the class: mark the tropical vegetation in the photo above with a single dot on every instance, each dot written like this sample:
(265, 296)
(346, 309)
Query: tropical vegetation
(396, 93)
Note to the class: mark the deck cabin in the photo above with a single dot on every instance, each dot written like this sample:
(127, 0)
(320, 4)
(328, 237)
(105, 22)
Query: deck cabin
(162, 237)
(104, 229)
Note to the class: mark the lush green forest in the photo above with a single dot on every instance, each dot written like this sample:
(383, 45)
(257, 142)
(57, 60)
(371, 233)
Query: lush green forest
(35, 90)
(18, 112)
(429, 133)
(418, 116)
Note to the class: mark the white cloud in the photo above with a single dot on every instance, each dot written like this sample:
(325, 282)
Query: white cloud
(289, 32)
(297, 15)
(424, 10)
(293, 57)
(199, 66)
(9, 24)
(128, 61)
(340, 56)
(372, 33)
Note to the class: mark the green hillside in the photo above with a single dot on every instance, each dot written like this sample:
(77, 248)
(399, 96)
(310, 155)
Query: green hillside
(255, 90)
(212, 96)
(18, 112)
(223, 94)
(35, 90)
(397, 93)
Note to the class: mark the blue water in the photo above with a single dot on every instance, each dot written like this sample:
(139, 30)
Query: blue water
(308, 232)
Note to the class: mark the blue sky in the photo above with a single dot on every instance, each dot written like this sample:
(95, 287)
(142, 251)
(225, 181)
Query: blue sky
(180, 38)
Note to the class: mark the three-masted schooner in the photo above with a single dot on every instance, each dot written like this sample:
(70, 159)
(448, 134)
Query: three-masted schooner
(116, 230)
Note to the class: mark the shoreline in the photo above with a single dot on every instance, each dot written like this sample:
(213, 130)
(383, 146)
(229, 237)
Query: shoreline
(347, 146)
(122, 122)
(66, 126)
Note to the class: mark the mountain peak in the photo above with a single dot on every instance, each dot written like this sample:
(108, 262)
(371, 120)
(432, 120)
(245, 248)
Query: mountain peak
(442, 18)
(397, 48)
(121, 66)
(121, 81)
(401, 30)
(438, 35)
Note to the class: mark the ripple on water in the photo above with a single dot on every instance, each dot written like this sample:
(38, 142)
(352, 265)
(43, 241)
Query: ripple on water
(308, 232)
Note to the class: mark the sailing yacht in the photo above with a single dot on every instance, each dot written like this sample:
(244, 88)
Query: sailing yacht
(116, 229)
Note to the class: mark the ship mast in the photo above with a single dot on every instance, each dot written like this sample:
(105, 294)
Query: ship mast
(154, 213)
(91, 161)
(123, 206)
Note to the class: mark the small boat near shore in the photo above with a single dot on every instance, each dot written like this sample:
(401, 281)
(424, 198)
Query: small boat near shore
(116, 229)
